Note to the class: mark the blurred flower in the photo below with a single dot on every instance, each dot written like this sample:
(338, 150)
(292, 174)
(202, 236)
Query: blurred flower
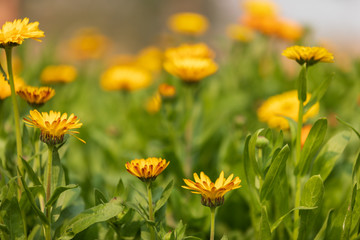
(265, 24)
(305, 130)
(188, 23)
(239, 33)
(191, 69)
(166, 91)
(5, 90)
(53, 125)
(14, 33)
(88, 43)
(146, 169)
(153, 105)
(212, 194)
(58, 74)
(274, 110)
(199, 50)
(260, 8)
(151, 59)
(308, 55)
(36, 96)
(127, 78)
(288, 30)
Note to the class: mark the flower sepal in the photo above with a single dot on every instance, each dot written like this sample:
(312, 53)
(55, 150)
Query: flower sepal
(211, 203)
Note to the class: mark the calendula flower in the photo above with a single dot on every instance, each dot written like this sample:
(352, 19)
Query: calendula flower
(36, 96)
(260, 8)
(240, 33)
(199, 50)
(305, 130)
(274, 110)
(5, 90)
(53, 125)
(14, 33)
(289, 30)
(58, 74)
(308, 55)
(188, 23)
(88, 43)
(150, 58)
(191, 69)
(146, 169)
(166, 91)
(264, 24)
(212, 194)
(128, 78)
(153, 105)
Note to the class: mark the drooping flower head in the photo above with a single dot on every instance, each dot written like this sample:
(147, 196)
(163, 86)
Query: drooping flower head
(274, 110)
(212, 194)
(58, 74)
(199, 50)
(146, 169)
(5, 90)
(308, 55)
(128, 78)
(14, 33)
(188, 23)
(36, 96)
(53, 126)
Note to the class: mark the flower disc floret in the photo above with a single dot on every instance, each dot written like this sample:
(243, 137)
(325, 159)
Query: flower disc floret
(308, 55)
(212, 194)
(53, 126)
(14, 33)
(36, 96)
(146, 169)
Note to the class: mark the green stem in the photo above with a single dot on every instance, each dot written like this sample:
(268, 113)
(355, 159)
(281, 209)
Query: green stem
(151, 211)
(188, 130)
(212, 223)
(48, 191)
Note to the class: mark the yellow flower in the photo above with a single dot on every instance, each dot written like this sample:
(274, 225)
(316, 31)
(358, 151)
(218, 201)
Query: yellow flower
(127, 78)
(264, 24)
(53, 126)
(5, 90)
(14, 33)
(308, 55)
(289, 30)
(36, 96)
(274, 110)
(166, 91)
(151, 59)
(260, 8)
(191, 69)
(146, 169)
(153, 105)
(239, 33)
(58, 74)
(199, 50)
(188, 23)
(88, 43)
(212, 194)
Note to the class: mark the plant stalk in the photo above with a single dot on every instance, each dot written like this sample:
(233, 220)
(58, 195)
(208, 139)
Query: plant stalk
(48, 191)
(151, 210)
(212, 223)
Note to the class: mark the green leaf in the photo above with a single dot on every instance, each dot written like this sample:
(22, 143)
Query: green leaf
(311, 196)
(32, 175)
(322, 232)
(348, 125)
(99, 197)
(318, 93)
(138, 209)
(164, 196)
(99, 213)
(249, 171)
(301, 83)
(120, 188)
(265, 232)
(355, 215)
(252, 151)
(345, 234)
(356, 170)
(225, 237)
(13, 219)
(273, 175)
(3, 228)
(293, 128)
(33, 203)
(57, 192)
(311, 146)
(329, 154)
(35, 232)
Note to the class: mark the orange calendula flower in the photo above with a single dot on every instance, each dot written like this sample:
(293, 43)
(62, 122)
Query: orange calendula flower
(146, 169)
(53, 126)
(153, 105)
(274, 110)
(128, 78)
(58, 74)
(308, 55)
(191, 70)
(260, 8)
(166, 91)
(212, 194)
(5, 90)
(240, 33)
(36, 96)
(14, 33)
(199, 50)
(188, 23)
(289, 30)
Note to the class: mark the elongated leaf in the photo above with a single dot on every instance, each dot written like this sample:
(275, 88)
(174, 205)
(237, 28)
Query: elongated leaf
(99, 213)
(329, 154)
(120, 188)
(311, 196)
(13, 219)
(293, 128)
(252, 147)
(137, 208)
(32, 175)
(348, 125)
(356, 170)
(265, 232)
(57, 192)
(311, 146)
(348, 217)
(318, 93)
(322, 232)
(355, 215)
(272, 176)
(164, 196)
(249, 171)
(99, 197)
